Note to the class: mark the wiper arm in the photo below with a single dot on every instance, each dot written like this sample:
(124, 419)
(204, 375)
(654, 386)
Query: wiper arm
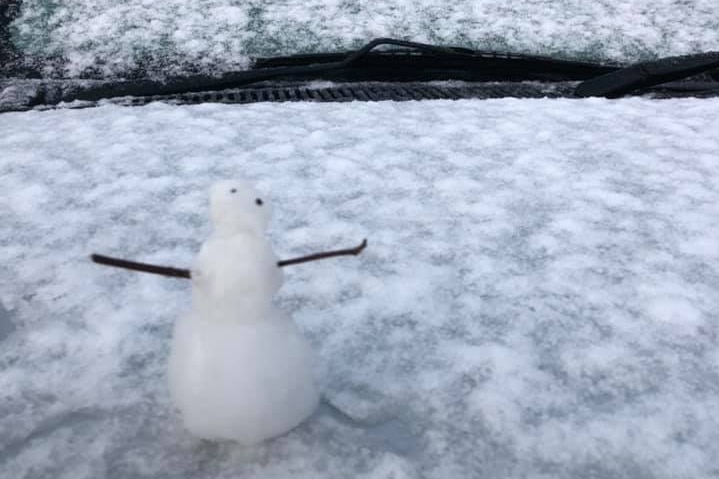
(647, 74)
(517, 67)
(232, 80)
(412, 62)
(236, 79)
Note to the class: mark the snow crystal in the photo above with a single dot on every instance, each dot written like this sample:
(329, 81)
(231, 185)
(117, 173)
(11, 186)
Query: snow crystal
(110, 38)
(538, 298)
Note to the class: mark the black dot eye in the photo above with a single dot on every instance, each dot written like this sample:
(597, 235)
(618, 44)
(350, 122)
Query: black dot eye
(233, 190)
(258, 202)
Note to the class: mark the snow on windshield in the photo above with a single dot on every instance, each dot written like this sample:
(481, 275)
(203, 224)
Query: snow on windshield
(108, 37)
(539, 295)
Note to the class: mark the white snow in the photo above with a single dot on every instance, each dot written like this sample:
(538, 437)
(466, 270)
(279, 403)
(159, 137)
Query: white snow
(112, 38)
(239, 367)
(539, 295)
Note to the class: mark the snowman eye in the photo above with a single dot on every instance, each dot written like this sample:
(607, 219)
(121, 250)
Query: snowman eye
(233, 190)
(258, 202)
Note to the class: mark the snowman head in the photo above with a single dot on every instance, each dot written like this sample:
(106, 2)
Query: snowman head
(237, 207)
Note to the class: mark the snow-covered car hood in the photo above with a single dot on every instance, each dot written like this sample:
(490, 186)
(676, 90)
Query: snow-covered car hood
(538, 298)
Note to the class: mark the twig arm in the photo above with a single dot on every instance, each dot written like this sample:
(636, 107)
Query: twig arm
(327, 254)
(185, 273)
(142, 267)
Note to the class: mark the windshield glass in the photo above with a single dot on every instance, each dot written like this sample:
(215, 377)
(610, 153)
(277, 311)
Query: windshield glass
(107, 38)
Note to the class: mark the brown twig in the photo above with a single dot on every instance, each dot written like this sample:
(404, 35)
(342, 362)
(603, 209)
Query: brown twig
(142, 267)
(327, 254)
(185, 273)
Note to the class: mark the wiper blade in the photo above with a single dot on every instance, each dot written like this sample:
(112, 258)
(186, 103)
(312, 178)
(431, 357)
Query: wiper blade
(410, 65)
(437, 62)
(647, 74)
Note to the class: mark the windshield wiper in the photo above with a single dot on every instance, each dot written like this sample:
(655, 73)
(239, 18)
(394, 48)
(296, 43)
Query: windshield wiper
(416, 61)
(399, 71)
(649, 74)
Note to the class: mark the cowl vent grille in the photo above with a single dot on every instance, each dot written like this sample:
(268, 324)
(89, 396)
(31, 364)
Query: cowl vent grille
(364, 92)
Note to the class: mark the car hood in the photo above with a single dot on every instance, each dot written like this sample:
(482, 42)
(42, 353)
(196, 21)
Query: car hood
(539, 292)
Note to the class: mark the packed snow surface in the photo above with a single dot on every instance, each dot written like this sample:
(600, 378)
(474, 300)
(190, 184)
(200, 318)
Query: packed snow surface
(539, 297)
(109, 37)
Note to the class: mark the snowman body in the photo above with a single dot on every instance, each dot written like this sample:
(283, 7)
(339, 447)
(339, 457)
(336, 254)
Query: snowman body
(240, 368)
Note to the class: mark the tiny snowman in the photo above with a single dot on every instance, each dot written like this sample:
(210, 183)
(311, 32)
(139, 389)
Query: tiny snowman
(239, 367)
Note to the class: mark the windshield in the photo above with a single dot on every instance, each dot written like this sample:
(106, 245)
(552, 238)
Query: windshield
(106, 38)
